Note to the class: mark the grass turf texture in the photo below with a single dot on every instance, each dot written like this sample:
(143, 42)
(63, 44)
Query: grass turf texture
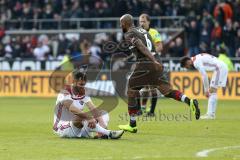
(26, 133)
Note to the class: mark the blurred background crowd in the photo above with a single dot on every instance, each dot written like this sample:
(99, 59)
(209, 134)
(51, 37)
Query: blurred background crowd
(209, 26)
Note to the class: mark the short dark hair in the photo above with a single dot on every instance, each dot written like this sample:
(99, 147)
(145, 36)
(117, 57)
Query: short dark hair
(147, 16)
(184, 60)
(78, 75)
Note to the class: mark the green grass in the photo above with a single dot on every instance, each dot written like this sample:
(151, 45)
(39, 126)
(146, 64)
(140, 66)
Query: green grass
(26, 123)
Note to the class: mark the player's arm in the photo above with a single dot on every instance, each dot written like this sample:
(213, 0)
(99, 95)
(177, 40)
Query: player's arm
(76, 111)
(141, 47)
(136, 42)
(158, 41)
(159, 46)
(64, 97)
(204, 79)
(96, 113)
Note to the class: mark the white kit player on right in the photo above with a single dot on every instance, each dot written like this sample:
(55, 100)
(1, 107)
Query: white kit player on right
(205, 62)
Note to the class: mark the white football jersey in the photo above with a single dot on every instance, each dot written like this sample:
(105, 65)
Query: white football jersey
(207, 62)
(61, 113)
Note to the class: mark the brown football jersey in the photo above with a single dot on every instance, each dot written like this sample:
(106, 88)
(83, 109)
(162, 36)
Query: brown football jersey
(144, 36)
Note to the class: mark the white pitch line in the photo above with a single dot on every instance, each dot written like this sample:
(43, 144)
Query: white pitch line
(204, 153)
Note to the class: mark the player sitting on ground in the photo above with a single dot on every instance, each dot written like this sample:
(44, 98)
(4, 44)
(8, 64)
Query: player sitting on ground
(69, 119)
(205, 62)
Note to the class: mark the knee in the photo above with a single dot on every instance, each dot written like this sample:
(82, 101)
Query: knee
(77, 124)
(212, 90)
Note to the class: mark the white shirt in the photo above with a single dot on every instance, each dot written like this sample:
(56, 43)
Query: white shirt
(40, 52)
(205, 62)
(62, 113)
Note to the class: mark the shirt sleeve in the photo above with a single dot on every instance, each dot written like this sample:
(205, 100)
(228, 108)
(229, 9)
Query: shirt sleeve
(62, 96)
(86, 99)
(199, 66)
(156, 36)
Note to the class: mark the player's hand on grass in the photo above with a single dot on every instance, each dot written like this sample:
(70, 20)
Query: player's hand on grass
(92, 123)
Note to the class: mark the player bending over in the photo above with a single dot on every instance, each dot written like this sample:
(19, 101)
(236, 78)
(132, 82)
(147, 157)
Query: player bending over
(205, 62)
(69, 119)
(148, 72)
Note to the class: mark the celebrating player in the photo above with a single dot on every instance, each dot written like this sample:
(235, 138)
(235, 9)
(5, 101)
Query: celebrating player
(144, 22)
(70, 120)
(148, 72)
(205, 62)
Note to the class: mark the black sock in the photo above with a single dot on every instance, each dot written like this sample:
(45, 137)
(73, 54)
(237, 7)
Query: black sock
(133, 123)
(139, 103)
(187, 100)
(153, 105)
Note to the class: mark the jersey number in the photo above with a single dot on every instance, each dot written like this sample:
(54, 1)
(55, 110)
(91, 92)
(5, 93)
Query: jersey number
(149, 43)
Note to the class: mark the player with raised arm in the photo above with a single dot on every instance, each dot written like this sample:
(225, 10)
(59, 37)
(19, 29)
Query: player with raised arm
(69, 119)
(144, 22)
(205, 62)
(148, 72)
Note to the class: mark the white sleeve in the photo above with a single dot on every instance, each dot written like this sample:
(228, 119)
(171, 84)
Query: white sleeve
(199, 67)
(86, 99)
(62, 97)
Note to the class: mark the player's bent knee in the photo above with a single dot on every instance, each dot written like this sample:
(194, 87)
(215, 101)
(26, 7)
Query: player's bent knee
(77, 124)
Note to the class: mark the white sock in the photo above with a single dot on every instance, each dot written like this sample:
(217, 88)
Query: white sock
(183, 98)
(132, 118)
(100, 129)
(212, 104)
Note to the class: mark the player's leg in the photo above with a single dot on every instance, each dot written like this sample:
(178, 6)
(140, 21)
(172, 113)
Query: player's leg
(212, 101)
(145, 95)
(105, 118)
(219, 79)
(212, 104)
(179, 96)
(166, 89)
(133, 106)
(154, 98)
(65, 130)
(133, 110)
(138, 79)
(85, 130)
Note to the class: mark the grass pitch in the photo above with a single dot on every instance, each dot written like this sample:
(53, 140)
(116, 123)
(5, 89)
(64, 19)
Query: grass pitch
(26, 133)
